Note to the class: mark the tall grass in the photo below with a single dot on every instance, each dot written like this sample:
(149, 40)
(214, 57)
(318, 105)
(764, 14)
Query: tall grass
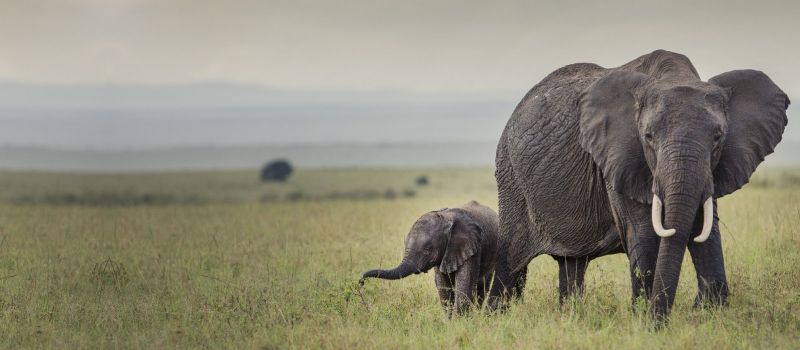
(241, 273)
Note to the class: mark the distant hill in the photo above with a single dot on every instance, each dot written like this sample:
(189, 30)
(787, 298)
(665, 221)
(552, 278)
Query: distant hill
(217, 125)
(118, 117)
(250, 157)
(303, 156)
(145, 128)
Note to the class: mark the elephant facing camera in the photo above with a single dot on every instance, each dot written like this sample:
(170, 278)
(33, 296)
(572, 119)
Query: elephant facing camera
(461, 244)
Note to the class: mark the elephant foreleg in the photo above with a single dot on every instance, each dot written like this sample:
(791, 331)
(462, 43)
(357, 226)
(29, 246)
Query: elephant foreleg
(709, 264)
(639, 241)
(466, 279)
(444, 285)
(570, 276)
(642, 243)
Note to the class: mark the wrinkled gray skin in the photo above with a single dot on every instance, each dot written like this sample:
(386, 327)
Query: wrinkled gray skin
(460, 244)
(587, 148)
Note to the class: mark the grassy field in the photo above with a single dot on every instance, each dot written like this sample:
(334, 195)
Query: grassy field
(217, 260)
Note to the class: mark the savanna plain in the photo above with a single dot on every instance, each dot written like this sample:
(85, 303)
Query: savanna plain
(221, 260)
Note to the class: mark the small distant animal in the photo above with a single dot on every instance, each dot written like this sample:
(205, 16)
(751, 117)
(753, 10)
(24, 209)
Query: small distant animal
(461, 244)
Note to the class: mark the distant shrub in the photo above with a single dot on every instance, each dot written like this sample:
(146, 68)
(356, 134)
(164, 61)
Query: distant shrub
(268, 197)
(344, 195)
(791, 180)
(92, 199)
(295, 196)
(422, 180)
(299, 195)
(777, 180)
(277, 171)
(368, 194)
(758, 182)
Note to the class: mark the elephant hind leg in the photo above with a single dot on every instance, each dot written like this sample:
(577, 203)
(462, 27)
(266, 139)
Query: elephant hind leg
(520, 279)
(518, 244)
(570, 276)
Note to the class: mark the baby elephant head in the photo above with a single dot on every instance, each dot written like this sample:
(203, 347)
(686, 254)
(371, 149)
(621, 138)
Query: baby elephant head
(446, 238)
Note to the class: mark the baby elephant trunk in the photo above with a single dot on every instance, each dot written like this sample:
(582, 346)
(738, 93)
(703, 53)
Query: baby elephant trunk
(403, 270)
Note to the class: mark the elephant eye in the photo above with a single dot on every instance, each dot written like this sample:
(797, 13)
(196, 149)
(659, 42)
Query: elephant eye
(648, 136)
(717, 137)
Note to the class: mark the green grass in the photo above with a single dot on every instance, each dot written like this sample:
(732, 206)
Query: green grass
(228, 270)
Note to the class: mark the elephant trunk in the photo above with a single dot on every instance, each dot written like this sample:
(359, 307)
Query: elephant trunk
(403, 270)
(670, 259)
(684, 180)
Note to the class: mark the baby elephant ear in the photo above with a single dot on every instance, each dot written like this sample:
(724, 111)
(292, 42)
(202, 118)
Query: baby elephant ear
(609, 132)
(464, 241)
(756, 119)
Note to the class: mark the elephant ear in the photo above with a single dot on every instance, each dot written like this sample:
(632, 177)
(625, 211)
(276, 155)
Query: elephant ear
(756, 119)
(609, 132)
(464, 241)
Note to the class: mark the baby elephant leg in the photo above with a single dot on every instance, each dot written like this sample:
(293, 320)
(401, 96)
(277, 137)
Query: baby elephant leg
(484, 289)
(444, 285)
(466, 279)
(570, 276)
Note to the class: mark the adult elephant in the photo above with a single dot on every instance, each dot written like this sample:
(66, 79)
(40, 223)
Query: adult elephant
(596, 161)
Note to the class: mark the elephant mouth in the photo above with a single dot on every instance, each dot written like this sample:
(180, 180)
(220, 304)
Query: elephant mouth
(658, 226)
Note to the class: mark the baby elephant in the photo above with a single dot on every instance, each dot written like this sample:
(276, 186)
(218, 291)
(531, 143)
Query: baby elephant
(461, 243)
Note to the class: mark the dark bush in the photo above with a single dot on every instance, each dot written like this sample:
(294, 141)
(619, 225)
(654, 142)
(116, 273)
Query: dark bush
(98, 199)
(422, 180)
(277, 170)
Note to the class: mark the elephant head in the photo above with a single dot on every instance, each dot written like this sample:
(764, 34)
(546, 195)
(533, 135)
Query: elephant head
(446, 238)
(678, 146)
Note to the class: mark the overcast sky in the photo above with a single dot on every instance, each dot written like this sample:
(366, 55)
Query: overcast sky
(426, 46)
(418, 61)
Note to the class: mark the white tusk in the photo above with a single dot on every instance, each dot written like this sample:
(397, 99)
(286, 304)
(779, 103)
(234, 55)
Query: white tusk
(656, 217)
(708, 221)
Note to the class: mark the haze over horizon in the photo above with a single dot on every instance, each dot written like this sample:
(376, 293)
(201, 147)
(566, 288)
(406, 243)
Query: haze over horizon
(145, 74)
